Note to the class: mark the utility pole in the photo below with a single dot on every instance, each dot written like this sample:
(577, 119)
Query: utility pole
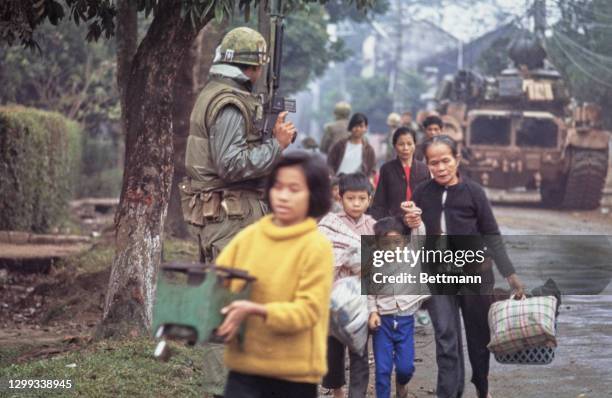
(397, 67)
(539, 19)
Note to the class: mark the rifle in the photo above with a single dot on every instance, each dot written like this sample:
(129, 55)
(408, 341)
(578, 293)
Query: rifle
(273, 103)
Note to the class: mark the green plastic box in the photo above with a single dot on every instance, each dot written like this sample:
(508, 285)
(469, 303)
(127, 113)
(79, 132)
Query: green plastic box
(190, 297)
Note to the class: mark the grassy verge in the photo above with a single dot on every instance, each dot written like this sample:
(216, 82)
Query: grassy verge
(72, 295)
(183, 250)
(117, 369)
(9, 354)
(100, 257)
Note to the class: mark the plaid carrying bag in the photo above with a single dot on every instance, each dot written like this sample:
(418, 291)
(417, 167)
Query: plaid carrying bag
(523, 331)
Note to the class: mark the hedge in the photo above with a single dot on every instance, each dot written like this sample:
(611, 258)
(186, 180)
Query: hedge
(40, 157)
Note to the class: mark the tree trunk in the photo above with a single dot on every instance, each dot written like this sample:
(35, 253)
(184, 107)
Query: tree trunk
(127, 42)
(191, 77)
(148, 172)
(206, 43)
(182, 105)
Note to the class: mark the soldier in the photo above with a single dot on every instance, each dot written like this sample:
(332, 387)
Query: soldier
(407, 121)
(310, 144)
(337, 130)
(393, 122)
(227, 159)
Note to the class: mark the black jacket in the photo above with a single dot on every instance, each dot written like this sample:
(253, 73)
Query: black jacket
(391, 188)
(467, 212)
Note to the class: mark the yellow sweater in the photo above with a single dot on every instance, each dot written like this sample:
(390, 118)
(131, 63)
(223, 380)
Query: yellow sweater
(294, 268)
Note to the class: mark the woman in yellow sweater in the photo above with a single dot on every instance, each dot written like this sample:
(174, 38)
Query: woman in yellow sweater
(284, 347)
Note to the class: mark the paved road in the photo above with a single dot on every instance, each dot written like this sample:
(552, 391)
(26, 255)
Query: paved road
(583, 363)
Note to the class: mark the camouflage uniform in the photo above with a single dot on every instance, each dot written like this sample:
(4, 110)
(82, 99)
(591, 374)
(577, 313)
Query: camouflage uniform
(227, 161)
(337, 130)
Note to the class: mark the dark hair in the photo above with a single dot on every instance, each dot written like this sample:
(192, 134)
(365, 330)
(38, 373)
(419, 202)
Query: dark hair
(354, 182)
(389, 224)
(401, 131)
(356, 120)
(335, 181)
(433, 119)
(441, 139)
(317, 178)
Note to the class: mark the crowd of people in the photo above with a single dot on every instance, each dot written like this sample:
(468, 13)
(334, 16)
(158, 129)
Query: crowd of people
(235, 178)
(300, 192)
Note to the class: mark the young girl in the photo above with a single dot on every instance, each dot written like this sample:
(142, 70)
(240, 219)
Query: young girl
(452, 204)
(284, 347)
(391, 312)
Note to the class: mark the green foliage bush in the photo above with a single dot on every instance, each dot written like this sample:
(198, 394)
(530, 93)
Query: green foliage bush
(40, 156)
(102, 184)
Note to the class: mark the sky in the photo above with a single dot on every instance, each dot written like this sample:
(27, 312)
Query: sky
(467, 24)
(485, 18)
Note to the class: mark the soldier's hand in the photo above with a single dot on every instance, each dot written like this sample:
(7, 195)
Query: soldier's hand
(283, 131)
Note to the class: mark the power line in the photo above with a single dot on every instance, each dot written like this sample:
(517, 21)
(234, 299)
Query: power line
(579, 66)
(586, 10)
(586, 51)
(598, 25)
(583, 56)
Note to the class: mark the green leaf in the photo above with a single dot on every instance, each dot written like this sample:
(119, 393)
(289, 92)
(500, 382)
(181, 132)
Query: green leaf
(218, 12)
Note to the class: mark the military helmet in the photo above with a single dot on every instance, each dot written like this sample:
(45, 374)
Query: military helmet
(394, 119)
(244, 46)
(309, 143)
(342, 110)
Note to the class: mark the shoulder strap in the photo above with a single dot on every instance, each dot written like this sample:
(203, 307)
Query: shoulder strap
(222, 99)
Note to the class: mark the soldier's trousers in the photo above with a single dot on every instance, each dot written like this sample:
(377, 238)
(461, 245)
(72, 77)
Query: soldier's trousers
(212, 238)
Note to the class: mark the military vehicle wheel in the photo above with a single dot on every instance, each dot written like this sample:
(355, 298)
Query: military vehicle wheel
(586, 179)
(552, 193)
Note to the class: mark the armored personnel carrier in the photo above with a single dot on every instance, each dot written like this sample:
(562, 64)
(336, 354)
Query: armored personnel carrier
(522, 129)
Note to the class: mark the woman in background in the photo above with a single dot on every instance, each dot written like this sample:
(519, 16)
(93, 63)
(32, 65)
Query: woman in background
(398, 177)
